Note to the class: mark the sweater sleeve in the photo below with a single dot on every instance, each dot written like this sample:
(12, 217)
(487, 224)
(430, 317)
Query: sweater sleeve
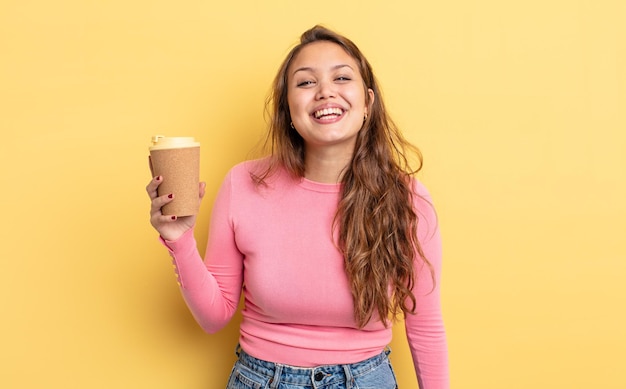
(425, 329)
(211, 287)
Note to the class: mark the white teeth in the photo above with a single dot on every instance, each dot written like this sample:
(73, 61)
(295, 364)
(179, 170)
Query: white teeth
(327, 111)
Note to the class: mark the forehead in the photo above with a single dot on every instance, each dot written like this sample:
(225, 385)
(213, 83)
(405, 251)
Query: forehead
(321, 56)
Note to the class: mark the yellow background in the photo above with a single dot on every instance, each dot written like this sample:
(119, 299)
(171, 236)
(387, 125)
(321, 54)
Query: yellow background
(519, 108)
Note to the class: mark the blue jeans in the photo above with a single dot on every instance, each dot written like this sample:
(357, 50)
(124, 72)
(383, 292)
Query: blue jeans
(253, 373)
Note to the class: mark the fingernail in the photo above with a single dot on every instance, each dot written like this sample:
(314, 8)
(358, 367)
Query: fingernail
(173, 217)
(158, 178)
(169, 196)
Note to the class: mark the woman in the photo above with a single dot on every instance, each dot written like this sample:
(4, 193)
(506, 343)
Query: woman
(330, 238)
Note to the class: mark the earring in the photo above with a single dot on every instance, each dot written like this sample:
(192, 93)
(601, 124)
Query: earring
(292, 126)
(365, 117)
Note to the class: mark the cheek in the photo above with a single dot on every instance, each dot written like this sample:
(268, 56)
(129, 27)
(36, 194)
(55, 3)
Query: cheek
(357, 98)
(297, 103)
(291, 104)
(294, 113)
(292, 101)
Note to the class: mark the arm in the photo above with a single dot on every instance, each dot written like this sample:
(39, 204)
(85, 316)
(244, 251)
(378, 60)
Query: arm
(425, 329)
(211, 288)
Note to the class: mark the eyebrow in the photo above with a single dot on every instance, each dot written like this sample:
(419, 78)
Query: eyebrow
(310, 69)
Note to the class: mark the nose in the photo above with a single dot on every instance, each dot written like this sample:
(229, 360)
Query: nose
(325, 90)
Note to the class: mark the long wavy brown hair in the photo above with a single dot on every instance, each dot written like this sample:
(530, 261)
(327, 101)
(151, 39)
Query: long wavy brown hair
(375, 219)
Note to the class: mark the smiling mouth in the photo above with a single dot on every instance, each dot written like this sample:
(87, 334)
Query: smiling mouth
(328, 113)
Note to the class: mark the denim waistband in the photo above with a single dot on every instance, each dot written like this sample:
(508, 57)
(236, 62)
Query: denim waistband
(320, 375)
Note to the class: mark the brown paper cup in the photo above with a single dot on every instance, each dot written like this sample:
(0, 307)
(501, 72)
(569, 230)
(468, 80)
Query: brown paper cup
(180, 169)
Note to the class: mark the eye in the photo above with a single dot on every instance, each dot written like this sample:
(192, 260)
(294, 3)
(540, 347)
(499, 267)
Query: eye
(304, 84)
(343, 78)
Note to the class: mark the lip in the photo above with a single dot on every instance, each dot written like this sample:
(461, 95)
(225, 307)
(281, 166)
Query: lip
(328, 106)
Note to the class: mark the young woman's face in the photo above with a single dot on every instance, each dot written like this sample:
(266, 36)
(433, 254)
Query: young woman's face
(327, 97)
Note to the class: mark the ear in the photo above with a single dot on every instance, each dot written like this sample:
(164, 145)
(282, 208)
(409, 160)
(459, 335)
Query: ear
(370, 100)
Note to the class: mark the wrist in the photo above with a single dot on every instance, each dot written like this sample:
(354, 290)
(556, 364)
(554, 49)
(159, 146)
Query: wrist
(173, 236)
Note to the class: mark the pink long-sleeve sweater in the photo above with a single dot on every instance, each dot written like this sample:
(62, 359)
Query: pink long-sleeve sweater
(276, 244)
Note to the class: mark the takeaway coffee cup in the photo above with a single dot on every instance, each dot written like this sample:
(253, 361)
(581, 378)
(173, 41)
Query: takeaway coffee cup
(177, 160)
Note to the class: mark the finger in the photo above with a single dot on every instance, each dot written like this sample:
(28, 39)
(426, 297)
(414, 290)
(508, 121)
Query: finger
(159, 202)
(151, 188)
(158, 221)
(161, 219)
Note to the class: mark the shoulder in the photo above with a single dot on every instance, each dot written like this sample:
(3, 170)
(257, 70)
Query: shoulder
(424, 207)
(245, 171)
(258, 175)
(421, 194)
(254, 166)
(419, 188)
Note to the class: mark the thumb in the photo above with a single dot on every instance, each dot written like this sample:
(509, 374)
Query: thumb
(202, 190)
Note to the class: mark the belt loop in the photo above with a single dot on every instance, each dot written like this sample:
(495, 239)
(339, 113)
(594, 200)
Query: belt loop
(387, 350)
(278, 371)
(238, 350)
(349, 377)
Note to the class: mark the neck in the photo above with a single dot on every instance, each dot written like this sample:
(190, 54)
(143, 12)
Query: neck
(324, 166)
